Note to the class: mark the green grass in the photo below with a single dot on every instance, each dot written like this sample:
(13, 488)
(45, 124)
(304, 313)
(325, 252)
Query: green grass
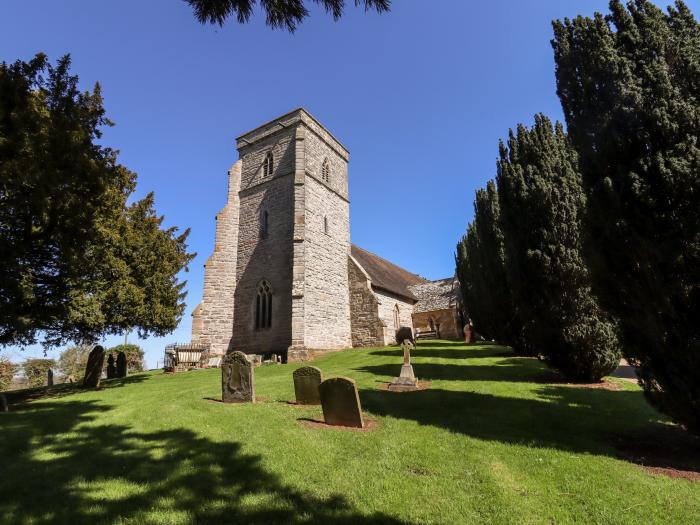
(494, 440)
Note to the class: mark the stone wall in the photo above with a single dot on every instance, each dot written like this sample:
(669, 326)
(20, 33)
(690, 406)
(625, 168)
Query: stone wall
(387, 304)
(212, 319)
(367, 329)
(269, 256)
(326, 246)
(447, 319)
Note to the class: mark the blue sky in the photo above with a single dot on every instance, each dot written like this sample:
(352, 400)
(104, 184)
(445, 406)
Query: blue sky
(420, 96)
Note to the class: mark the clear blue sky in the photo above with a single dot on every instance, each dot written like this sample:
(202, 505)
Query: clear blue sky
(420, 96)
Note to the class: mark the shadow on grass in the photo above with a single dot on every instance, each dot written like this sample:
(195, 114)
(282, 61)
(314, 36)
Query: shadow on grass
(58, 467)
(562, 417)
(510, 370)
(451, 353)
(18, 397)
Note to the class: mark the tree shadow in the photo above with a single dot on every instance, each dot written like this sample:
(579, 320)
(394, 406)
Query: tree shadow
(58, 467)
(510, 370)
(446, 353)
(562, 417)
(19, 397)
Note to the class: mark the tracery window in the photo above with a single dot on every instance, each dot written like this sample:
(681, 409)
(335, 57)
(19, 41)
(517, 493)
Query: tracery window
(268, 164)
(263, 306)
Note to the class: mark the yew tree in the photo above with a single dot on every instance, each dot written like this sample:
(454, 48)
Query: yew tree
(78, 261)
(629, 84)
(542, 204)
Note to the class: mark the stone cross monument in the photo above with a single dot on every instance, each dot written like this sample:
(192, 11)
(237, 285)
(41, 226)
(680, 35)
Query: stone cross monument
(406, 381)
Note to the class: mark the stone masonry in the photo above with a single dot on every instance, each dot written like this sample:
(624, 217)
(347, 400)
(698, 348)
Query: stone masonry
(285, 229)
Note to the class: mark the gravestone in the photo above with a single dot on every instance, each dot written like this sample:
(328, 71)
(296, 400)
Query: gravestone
(237, 382)
(93, 369)
(111, 369)
(49, 377)
(4, 407)
(307, 379)
(406, 381)
(121, 364)
(341, 403)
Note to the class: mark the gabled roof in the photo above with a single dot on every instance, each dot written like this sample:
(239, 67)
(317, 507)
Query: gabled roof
(385, 275)
(436, 295)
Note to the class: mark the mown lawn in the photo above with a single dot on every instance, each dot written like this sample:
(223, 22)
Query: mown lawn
(494, 440)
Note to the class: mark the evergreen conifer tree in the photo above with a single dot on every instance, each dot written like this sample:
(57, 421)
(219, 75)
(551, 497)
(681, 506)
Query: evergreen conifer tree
(539, 188)
(629, 84)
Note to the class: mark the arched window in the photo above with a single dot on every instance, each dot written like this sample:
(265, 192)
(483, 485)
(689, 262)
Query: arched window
(263, 306)
(264, 226)
(268, 165)
(326, 171)
(325, 225)
(397, 322)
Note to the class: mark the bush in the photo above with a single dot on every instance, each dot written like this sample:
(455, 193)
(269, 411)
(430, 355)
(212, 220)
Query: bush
(134, 356)
(72, 361)
(36, 371)
(7, 372)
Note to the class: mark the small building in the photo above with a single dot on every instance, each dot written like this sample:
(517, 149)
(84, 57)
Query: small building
(437, 308)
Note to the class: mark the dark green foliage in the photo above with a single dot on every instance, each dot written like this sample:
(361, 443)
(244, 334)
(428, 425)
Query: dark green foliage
(77, 262)
(7, 372)
(541, 196)
(629, 84)
(482, 274)
(279, 13)
(36, 371)
(134, 356)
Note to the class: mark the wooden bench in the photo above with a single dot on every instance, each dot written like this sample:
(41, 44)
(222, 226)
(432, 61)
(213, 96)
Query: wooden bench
(430, 334)
(179, 358)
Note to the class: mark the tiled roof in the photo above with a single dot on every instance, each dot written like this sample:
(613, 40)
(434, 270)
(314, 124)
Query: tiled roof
(435, 295)
(385, 275)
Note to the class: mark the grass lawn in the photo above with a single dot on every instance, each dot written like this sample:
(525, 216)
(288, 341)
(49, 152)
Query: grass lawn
(494, 440)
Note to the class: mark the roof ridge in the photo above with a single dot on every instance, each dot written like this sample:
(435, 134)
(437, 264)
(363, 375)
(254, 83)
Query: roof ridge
(393, 264)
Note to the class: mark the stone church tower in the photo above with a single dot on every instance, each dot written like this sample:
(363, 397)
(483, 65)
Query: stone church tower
(277, 281)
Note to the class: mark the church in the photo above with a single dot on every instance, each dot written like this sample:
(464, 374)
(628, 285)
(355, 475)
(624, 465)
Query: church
(284, 277)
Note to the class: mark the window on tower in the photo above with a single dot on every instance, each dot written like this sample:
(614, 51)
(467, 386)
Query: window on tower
(264, 224)
(268, 164)
(326, 171)
(263, 306)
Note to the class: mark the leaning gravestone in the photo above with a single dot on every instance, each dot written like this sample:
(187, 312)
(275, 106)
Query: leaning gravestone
(307, 379)
(111, 369)
(93, 370)
(237, 384)
(341, 403)
(49, 377)
(121, 364)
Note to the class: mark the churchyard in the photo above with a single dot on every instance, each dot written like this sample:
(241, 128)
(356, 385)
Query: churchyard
(491, 438)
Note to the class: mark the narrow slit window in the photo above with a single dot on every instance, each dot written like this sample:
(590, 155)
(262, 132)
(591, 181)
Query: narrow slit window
(264, 224)
(268, 165)
(326, 171)
(325, 225)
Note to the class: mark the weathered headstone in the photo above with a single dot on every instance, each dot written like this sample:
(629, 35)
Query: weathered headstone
(407, 380)
(4, 406)
(121, 364)
(49, 377)
(237, 382)
(307, 379)
(111, 369)
(93, 369)
(341, 403)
